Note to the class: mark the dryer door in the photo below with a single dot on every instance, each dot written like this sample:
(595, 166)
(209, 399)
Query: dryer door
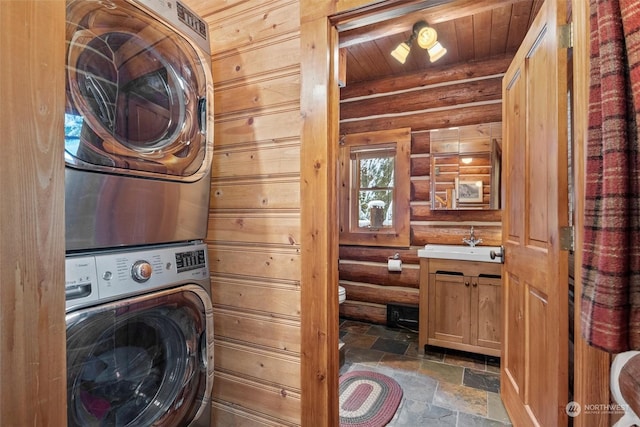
(143, 361)
(137, 93)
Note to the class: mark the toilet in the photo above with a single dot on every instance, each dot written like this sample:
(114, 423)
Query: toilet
(624, 386)
(342, 294)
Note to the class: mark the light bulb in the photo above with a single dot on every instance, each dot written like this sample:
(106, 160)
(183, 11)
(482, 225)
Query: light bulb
(436, 52)
(427, 37)
(401, 52)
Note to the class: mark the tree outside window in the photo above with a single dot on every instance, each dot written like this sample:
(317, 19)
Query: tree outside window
(375, 170)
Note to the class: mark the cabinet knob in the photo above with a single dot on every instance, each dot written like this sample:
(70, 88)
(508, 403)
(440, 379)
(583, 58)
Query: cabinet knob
(466, 284)
(475, 284)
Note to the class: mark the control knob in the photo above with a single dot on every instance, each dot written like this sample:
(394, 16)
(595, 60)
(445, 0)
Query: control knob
(141, 271)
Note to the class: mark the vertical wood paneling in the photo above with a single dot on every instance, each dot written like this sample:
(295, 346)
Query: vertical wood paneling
(32, 343)
(464, 31)
(500, 30)
(482, 37)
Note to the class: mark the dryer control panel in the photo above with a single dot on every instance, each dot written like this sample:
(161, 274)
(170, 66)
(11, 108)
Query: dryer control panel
(92, 278)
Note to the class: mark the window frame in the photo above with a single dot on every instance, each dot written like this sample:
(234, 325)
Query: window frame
(348, 203)
(357, 155)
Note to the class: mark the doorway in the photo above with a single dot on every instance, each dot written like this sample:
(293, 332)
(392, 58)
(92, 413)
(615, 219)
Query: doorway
(321, 32)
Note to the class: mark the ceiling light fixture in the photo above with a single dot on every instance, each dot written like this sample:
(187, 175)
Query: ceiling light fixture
(401, 52)
(427, 39)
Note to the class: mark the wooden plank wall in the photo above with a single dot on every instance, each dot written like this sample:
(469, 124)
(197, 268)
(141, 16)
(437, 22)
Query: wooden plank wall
(254, 221)
(444, 97)
(32, 328)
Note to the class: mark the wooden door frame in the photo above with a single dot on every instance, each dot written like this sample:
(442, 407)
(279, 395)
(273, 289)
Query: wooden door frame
(319, 106)
(318, 229)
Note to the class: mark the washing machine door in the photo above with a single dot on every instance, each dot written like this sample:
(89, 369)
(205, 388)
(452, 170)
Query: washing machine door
(143, 361)
(137, 93)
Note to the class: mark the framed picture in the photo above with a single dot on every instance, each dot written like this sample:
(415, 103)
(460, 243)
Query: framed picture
(469, 191)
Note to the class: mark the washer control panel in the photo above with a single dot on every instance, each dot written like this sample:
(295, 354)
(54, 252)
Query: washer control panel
(90, 278)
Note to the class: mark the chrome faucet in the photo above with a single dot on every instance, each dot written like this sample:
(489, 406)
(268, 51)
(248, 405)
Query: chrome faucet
(472, 241)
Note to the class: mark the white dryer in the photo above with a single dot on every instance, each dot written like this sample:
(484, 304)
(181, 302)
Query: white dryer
(139, 338)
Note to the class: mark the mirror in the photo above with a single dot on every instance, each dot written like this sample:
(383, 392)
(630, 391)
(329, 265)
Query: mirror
(466, 167)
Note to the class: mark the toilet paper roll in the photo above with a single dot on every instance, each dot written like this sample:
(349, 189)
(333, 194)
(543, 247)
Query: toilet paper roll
(394, 265)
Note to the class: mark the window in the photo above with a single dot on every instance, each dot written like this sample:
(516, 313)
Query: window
(374, 188)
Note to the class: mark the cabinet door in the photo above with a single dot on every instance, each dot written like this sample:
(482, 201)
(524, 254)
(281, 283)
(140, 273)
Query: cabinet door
(449, 309)
(485, 312)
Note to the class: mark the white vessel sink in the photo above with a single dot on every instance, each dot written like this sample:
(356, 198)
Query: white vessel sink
(460, 252)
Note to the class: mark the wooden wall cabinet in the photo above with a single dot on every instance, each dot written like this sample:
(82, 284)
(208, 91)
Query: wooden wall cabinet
(460, 305)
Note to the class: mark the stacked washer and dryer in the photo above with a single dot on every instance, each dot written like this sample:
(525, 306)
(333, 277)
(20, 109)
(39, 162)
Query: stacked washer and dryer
(138, 151)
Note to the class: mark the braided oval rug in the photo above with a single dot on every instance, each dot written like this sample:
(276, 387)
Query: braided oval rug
(368, 399)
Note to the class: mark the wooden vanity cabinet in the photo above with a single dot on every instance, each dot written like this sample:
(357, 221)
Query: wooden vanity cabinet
(460, 305)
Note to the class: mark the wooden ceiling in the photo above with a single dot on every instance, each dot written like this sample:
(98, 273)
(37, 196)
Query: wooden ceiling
(470, 30)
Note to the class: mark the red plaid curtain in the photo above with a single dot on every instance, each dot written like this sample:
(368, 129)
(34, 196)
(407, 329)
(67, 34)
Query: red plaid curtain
(610, 298)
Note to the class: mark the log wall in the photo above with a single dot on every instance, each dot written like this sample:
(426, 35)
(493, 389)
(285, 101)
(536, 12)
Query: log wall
(445, 97)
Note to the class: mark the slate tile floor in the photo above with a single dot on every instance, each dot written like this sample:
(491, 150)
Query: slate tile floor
(440, 388)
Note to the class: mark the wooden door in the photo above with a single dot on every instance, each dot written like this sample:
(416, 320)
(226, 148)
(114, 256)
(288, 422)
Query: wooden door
(534, 380)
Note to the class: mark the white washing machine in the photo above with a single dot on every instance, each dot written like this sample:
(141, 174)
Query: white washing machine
(139, 337)
(138, 123)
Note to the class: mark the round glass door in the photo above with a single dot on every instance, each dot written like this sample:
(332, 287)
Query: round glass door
(138, 362)
(136, 94)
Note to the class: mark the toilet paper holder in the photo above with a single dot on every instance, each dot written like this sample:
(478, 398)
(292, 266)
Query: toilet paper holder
(394, 263)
